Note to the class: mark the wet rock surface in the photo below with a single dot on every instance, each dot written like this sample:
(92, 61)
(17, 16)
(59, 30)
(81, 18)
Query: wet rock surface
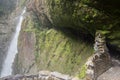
(7, 29)
(113, 73)
(42, 75)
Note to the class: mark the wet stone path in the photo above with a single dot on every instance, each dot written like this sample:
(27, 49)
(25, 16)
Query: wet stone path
(113, 73)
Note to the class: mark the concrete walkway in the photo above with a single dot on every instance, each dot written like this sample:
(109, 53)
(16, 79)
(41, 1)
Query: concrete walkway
(113, 73)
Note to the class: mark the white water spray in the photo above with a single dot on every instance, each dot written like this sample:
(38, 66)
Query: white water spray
(12, 51)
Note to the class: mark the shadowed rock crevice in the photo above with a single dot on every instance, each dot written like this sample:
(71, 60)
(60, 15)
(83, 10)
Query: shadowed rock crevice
(114, 51)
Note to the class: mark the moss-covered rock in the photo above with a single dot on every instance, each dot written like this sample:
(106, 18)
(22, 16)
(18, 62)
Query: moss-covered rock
(53, 50)
(84, 15)
(82, 73)
(62, 28)
(25, 60)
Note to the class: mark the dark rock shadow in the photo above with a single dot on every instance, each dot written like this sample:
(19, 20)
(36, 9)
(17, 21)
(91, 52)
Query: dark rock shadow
(114, 51)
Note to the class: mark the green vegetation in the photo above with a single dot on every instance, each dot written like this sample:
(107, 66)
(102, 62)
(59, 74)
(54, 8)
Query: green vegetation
(88, 16)
(57, 52)
(65, 45)
(82, 72)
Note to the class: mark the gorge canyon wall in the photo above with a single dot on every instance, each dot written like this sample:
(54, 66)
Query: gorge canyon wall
(58, 35)
(7, 25)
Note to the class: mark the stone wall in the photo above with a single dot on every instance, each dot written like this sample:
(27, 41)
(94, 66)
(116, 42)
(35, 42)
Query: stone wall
(99, 62)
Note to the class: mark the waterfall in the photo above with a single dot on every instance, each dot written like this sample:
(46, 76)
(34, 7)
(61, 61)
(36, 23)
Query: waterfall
(12, 51)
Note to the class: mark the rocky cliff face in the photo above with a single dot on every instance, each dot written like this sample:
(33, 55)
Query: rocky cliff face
(27, 40)
(42, 48)
(8, 22)
(5, 37)
(58, 35)
(6, 7)
(85, 15)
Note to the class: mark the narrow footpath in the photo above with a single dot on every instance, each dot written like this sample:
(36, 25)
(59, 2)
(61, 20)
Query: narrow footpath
(113, 73)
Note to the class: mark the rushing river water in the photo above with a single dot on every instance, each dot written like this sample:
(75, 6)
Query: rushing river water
(12, 51)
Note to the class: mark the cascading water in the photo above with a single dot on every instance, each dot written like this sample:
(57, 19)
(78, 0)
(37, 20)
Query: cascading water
(12, 51)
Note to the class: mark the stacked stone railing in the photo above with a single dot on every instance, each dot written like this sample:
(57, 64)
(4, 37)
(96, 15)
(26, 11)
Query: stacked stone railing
(43, 75)
(100, 61)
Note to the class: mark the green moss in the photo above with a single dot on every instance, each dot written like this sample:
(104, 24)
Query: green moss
(57, 52)
(73, 14)
(88, 16)
(83, 72)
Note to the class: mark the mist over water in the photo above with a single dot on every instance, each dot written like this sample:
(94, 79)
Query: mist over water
(12, 51)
